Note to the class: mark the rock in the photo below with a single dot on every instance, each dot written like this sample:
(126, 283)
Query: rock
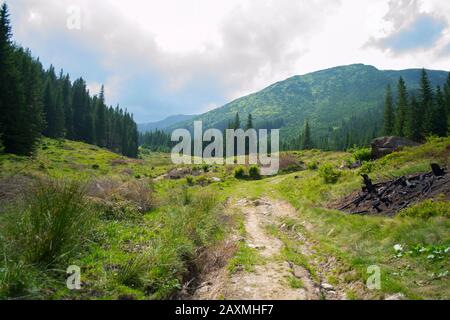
(215, 179)
(257, 247)
(356, 165)
(327, 286)
(387, 145)
(397, 296)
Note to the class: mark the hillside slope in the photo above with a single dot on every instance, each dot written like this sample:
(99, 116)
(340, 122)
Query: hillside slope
(325, 98)
(163, 124)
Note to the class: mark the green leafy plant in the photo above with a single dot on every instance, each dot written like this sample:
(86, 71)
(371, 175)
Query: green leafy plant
(314, 165)
(239, 173)
(329, 174)
(362, 154)
(254, 172)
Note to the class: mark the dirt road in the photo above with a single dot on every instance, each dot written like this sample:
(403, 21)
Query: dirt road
(272, 278)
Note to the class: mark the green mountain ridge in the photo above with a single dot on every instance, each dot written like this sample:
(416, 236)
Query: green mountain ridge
(326, 98)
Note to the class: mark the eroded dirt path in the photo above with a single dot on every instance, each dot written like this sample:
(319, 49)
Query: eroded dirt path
(268, 280)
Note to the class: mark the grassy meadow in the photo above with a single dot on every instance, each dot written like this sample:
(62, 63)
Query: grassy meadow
(137, 235)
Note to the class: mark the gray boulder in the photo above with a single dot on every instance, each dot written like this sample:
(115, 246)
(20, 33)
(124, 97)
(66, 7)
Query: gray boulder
(387, 145)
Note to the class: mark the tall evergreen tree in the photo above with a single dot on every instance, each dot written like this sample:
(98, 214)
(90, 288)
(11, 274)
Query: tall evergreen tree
(237, 122)
(249, 124)
(307, 142)
(402, 108)
(66, 92)
(100, 121)
(447, 94)
(426, 101)
(15, 114)
(389, 115)
(415, 122)
(438, 121)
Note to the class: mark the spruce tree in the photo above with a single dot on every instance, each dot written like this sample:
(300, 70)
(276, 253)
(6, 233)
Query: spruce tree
(415, 122)
(447, 96)
(15, 115)
(237, 122)
(438, 121)
(402, 109)
(100, 122)
(307, 143)
(426, 101)
(249, 122)
(389, 115)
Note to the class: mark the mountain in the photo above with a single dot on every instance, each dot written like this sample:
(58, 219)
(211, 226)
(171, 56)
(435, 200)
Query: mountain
(326, 98)
(163, 124)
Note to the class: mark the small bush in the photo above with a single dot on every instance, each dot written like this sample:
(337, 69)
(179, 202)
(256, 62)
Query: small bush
(329, 174)
(205, 168)
(95, 166)
(254, 172)
(239, 173)
(313, 165)
(363, 154)
(367, 167)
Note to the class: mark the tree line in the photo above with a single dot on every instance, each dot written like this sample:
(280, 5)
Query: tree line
(416, 115)
(36, 102)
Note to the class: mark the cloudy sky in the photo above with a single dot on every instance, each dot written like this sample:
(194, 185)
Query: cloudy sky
(165, 57)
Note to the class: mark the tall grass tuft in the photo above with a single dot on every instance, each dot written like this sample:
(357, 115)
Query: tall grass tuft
(50, 224)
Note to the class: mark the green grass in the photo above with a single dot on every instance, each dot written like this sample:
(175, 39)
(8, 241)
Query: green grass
(245, 259)
(295, 283)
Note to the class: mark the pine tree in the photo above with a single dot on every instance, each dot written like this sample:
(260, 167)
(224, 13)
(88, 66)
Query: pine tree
(438, 121)
(66, 92)
(389, 116)
(447, 96)
(249, 122)
(415, 122)
(237, 122)
(307, 143)
(100, 121)
(426, 101)
(402, 108)
(15, 115)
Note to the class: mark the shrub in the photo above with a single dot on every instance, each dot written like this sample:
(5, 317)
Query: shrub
(329, 174)
(205, 168)
(95, 166)
(254, 172)
(363, 154)
(313, 165)
(239, 173)
(367, 167)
